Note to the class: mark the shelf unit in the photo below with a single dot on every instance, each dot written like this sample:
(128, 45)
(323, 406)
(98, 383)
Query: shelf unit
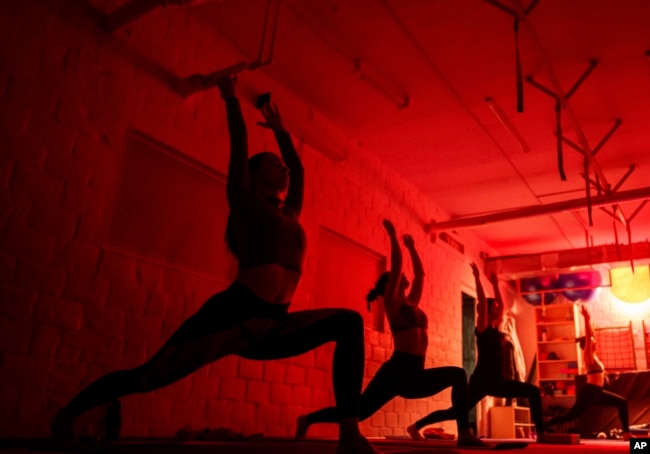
(559, 358)
(510, 422)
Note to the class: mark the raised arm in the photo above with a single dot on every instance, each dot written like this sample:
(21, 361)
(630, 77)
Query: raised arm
(238, 181)
(395, 273)
(481, 307)
(589, 333)
(273, 121)
(498, 300)
(415, 294)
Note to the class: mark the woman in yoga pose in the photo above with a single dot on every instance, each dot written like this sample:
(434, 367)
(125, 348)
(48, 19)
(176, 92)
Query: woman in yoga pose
(593, 392)
(490, 377)
(404, 374)
(251, 317)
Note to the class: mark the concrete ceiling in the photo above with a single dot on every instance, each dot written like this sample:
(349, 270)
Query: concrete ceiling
(448, 57)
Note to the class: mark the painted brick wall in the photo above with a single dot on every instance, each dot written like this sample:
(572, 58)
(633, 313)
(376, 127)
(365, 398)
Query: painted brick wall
(72, 310)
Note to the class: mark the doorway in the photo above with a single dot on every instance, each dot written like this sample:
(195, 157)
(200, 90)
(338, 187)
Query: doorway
(469, 344)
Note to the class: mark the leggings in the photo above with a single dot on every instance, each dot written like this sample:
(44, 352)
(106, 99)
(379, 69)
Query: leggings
(404, 375)
(479, 387)
(589, 395)
(236, 321)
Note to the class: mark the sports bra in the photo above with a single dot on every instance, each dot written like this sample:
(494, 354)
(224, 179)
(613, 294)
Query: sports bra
(491, 345)
(597, 368)
(593, 364)
(408, 317)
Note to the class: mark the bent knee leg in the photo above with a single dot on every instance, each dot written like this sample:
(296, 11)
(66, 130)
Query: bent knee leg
(145, 379)
(170, 365)
(349, 320)
(459, 375)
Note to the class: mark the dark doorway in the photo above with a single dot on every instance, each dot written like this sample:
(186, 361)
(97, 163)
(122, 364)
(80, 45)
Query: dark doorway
(469, 344)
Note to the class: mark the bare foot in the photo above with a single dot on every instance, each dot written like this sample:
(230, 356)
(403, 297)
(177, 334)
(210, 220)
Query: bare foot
(356, 445)
(414, 432)
(466, 438)
(301, 427)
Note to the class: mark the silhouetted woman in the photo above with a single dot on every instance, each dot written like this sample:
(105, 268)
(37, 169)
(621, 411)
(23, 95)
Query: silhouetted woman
(489, 376)
(404, 374)
(593, 392)
(250, 318)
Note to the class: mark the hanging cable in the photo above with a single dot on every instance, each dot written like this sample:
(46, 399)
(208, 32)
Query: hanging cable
(518, 67)
(519, 75)
(618, 249)
(588, 191)
(558, 128)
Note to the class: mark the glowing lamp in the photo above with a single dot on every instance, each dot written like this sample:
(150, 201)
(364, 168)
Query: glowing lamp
(631, 287)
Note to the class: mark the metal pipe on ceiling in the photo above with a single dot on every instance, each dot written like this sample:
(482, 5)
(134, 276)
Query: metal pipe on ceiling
(364, 71)
(528, 265)
(632, 195)
(507, 124)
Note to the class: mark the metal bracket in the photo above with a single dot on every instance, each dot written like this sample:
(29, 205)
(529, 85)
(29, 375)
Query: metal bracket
(187, 86)
(593, 63)
(135, 9)
(518, 16)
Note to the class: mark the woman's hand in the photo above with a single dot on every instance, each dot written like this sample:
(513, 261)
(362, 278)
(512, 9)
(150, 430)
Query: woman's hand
(226, 85)
(475, 270)
(408, 241)
(272, 119)
(493, 278)
(390, 228)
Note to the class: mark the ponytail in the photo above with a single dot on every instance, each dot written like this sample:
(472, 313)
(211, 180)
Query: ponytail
(378, 290)
(372, 295)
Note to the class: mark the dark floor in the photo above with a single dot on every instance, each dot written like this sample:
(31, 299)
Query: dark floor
(313, 446)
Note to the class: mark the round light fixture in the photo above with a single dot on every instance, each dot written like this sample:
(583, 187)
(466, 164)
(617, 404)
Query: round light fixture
(631, 287)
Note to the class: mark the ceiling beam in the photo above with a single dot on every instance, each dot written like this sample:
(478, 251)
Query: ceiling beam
(539, 210)
(544, 263)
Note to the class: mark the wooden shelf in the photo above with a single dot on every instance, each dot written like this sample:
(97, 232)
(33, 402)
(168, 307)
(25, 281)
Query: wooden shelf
(557, 323)
(560, 326)
(555, 361)
(559, 341)
(510, 422)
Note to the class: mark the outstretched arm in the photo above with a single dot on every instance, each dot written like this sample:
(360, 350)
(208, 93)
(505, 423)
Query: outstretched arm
(589, 333)
(494, 280)
(481, 307)
(238, 179)
(415, 294)
(395, 273)
(273, 121)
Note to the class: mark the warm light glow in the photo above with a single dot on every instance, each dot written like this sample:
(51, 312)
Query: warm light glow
(631, 287)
